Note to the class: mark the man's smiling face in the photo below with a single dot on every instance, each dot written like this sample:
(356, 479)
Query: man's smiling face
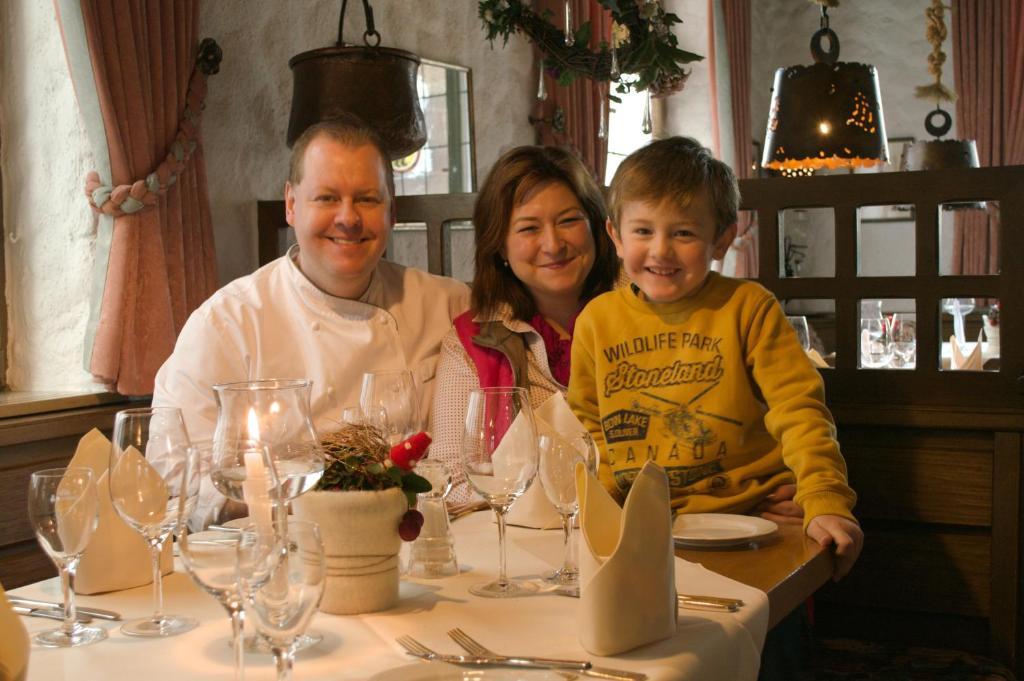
(342, 213)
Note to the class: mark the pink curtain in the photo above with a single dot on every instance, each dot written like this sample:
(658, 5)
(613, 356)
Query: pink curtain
(161, 262)
(988, 59)
(737, 38)
(584, 102)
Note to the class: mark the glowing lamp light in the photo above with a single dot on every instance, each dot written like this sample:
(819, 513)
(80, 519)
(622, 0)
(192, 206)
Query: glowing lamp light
(826, 115)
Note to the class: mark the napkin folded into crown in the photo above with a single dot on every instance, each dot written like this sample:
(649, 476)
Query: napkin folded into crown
(555, 419)
(972, 361)
(626, 562)
(13, 642)
(117, 556)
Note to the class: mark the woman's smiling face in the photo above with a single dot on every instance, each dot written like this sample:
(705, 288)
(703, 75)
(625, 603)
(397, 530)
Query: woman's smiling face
(549, 245)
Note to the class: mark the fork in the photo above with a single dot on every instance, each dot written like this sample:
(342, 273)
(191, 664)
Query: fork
(474, 647)
(414, 647)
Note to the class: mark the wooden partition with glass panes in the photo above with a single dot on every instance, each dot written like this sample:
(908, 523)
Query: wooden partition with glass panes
(910, 288)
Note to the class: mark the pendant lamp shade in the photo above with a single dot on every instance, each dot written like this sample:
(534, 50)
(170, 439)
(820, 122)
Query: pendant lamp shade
(825, 116)
(940, 154)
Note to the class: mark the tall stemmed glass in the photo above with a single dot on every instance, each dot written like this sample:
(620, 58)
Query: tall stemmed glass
(210, 556)
(283, 586)
(148, 466)
(499, 458)
(63, 509)
(558, 458)
(388, 400)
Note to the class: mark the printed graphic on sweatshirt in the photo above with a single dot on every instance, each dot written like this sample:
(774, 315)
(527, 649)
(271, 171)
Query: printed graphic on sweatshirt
(629, 376)
(679, 477)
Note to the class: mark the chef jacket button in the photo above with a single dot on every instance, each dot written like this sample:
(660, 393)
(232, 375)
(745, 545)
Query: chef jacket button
(315, 326)
(330, 391)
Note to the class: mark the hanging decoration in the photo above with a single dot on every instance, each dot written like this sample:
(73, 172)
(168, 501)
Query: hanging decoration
(828, 114)
(938, 153)
(642, 44)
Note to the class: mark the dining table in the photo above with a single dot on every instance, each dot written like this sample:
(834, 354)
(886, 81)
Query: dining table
(771, 577)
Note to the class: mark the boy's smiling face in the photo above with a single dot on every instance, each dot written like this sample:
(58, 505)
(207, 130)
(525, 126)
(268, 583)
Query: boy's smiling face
(667, 249)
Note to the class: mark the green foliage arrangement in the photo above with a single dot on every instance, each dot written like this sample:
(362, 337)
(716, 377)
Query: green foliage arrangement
(641, 38)
(358, 458)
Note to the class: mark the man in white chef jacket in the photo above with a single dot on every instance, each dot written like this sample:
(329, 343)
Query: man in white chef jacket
(328, 310)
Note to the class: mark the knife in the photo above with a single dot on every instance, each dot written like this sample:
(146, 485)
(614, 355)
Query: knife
(712, 603)
(32, 603)
(49, 613)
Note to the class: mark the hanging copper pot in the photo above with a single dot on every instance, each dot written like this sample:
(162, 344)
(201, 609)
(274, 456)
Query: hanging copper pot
(378, 84)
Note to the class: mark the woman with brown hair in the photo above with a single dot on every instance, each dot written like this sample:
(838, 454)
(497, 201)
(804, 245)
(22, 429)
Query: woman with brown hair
(541, 254)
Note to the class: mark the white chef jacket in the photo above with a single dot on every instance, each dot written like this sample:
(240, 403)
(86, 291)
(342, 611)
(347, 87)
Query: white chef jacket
(275, 323)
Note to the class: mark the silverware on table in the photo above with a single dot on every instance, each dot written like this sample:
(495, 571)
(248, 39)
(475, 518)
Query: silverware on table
(471, 646)
(474, 647)
(414, 647)
(49, 613)
(98, 613)
(713, 603)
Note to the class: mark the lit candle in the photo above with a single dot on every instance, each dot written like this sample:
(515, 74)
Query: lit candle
(254, 489)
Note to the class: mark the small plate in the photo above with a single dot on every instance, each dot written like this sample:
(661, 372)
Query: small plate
(719, 529)
(439, 671)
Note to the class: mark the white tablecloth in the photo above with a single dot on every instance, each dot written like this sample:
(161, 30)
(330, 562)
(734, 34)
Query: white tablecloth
(708, 645)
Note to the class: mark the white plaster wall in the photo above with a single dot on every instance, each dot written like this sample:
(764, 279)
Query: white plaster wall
(247, 109)
(44, 158)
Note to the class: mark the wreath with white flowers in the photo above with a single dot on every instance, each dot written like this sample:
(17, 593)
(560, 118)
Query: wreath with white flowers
(642, 44)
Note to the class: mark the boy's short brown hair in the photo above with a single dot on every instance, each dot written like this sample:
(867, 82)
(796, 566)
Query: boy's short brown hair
(676, 168)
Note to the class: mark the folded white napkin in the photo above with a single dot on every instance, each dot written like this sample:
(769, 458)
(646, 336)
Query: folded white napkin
(117, 556)
(972, 361)
(13, 642)
(627, 563)
(555, 419)
(816, 359)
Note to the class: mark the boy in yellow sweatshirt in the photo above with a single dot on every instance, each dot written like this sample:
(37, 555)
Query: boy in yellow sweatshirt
(697, 371)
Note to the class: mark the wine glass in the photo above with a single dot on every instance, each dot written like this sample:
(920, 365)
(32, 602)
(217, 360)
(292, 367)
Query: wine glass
(210, 556)
(499, 458)
(799, 324)
(904, 338)
(63, 509)
(558, 458)
(151, 490)
(281, 575)
(388, 400)
(875, 343)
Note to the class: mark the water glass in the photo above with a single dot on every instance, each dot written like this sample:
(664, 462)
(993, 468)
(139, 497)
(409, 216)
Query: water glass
(153, 487)
(904, 339)
(63, 509)
(875, 343)
(799, 324)
(388, 401)
(281, 576)
(558, 458)
(499, 458)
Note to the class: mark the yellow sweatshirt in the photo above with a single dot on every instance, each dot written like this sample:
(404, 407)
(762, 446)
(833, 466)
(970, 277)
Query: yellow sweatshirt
(716, 389)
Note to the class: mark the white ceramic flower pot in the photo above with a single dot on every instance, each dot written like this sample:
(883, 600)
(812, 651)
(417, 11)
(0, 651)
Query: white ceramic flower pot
(361, 543)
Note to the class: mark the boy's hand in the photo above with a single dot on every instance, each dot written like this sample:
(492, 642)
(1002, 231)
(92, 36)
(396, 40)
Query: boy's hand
(779, 506)
(845, 534)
